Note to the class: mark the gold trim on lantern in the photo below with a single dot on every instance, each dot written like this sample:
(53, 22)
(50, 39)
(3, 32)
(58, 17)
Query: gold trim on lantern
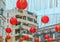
(22, 1)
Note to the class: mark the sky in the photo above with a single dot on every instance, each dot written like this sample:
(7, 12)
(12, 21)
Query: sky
(10, 4)
(40, 10)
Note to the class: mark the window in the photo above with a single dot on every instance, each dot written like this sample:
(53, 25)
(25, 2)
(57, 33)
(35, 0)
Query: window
(35, 21)
(25, 24)
(30, 19)
(30, 25)
(24, 17)
(30, 13)
(20, 11)
(18, 16)
(18, 23)
(50, 3)
(17, 37)
(17, 31)
(36, 16)
(7, 14)
(0, 22)
(7, 20)
(1, 11)
(56, 3)
(53, 3)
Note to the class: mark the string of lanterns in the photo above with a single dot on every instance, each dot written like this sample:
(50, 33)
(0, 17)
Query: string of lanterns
(13, 21)
(21, 5)
(8, 30)
(47, 37)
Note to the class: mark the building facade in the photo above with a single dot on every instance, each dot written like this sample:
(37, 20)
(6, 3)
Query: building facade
(2, 20)
(41, 32)
(25, 19)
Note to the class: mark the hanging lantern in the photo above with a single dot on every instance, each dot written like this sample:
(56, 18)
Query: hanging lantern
(8, 30)
(0, 36)
(21, 4)
(13, 21)
(50, 40)
(47, 36)
(8, 37)
(21, 39)
(36, 40)
(57, 28)
(26, 37)
(45, 19)
(32, 29)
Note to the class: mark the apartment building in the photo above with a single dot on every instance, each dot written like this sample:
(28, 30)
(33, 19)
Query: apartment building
(25, 19)
(2, 21)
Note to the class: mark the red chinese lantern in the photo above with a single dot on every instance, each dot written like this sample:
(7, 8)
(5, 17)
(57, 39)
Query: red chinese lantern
(8, 30)
(36, 40)
(50, 40)
(57, 28)
(8, 37)
(47, 36)
(21, 39)
(21, 4)
(0, 36)
(45, 19)
(32, 29)
(13, 21)
(26, 37)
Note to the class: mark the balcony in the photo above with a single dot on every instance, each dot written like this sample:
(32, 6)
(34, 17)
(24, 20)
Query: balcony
(26, 27)
(26, 21)
(28, 35)
(30, 13)
(18, 27)
(17, 34)
(19, 16)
